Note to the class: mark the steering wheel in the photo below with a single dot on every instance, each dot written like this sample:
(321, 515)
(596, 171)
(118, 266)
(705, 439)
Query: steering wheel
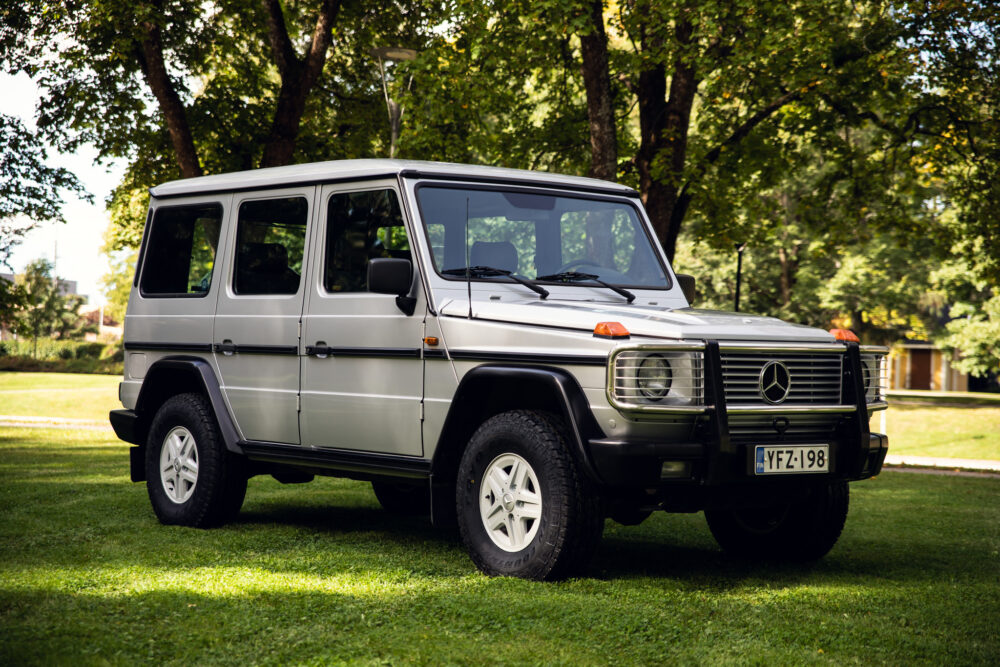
(582, 262)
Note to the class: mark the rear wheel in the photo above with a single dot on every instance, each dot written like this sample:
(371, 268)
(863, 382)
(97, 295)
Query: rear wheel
(525, 509)
(191, 478)
(803, 529)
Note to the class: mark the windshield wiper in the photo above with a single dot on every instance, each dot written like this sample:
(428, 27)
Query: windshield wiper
(488, 271)
(576, 276)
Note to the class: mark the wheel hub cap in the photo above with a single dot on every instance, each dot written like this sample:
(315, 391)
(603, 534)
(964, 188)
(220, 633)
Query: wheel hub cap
(179, 465)
(510, 502)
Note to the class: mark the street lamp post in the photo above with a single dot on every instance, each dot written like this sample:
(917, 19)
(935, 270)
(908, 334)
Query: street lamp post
(396, 54)
(740, 247)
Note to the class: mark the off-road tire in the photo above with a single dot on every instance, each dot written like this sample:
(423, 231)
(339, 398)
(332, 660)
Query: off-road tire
(402, 498)
(221, 477)
(801, 530)
(571, 517)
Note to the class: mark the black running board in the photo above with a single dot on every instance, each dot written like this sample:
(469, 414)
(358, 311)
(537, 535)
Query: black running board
(337, 459)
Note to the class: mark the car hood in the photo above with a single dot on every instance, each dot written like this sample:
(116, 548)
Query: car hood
(652, 321)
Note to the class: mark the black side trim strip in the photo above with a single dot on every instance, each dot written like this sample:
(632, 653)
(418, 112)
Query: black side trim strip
(288, 350)
(506, 180)
(435, 354)
(394, 352)
(168, 347)
(338, 459)
(527, 358)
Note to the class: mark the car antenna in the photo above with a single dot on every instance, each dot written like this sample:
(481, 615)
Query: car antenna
(468, 260)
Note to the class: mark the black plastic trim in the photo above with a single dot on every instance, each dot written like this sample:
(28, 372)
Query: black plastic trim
(389, 352)
(287, 350)
(722, 460)
(167, 347)
(574, 406)
(204, 374)
(636, 463)
(528, 358)
(855, 454)
(337, 459)
(125, 424)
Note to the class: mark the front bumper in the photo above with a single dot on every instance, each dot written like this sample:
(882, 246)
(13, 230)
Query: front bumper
(640, 464)
(714, 458)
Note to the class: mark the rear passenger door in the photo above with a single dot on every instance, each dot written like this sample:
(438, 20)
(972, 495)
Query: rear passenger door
(256, 338)
(362, 376)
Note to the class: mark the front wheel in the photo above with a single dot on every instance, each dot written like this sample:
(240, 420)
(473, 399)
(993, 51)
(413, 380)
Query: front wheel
(525, 509)
(800, 530)
(192, 479)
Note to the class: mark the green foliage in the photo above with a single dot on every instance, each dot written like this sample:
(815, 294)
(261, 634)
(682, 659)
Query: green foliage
(45, 311)
(31, 191)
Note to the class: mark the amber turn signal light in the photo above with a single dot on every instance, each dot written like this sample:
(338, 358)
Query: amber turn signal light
(431, 341)
(610, 330)
(845, 335)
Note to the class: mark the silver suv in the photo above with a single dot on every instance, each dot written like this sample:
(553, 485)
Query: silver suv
(505, 350)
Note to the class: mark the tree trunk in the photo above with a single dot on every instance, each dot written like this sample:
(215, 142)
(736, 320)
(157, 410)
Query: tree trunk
(170, 102)
(597, 82)
(298, 77)
(663, 128)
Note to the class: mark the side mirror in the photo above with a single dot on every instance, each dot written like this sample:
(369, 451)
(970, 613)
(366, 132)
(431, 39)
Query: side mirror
(687, 286)
(388, 275)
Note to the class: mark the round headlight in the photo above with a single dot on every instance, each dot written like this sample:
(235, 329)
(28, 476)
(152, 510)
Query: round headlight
(654, 377)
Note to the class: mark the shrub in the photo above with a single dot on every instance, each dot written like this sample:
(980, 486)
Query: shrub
(90, 350)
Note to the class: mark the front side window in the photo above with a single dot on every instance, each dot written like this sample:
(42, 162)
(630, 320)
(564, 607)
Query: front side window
(361, 226)
(181, 249)
(547, 238)
(270, 246)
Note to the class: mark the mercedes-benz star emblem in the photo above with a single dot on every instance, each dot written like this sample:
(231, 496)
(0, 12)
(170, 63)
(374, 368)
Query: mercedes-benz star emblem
(774, 382)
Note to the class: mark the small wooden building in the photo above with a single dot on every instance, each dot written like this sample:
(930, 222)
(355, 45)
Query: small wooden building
(921, 365)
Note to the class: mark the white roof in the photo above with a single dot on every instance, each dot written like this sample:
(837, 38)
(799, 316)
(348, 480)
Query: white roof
(340, 170)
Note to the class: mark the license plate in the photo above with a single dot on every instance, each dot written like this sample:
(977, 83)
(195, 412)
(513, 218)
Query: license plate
(782, 459)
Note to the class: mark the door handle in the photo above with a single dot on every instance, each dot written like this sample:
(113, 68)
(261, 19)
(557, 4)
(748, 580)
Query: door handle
(226, 347)
(320, 350)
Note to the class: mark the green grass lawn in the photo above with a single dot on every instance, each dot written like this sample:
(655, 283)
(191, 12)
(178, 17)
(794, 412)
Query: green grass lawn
(63, 395)
(914, 429)
(943, 431)
(318, 574)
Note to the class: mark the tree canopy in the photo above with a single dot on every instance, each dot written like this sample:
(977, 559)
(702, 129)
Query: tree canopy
(853, 146)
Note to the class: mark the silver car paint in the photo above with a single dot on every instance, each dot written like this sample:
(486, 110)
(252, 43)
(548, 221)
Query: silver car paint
(374, 404)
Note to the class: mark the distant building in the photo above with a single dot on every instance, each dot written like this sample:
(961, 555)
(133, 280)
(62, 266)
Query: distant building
(921, 365)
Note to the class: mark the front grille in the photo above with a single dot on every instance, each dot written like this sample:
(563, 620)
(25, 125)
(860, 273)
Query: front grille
(792, 428)
(815, 379)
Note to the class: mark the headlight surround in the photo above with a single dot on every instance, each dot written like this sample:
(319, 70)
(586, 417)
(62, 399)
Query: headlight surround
(657, 378)
(873, 373)
(654, 377)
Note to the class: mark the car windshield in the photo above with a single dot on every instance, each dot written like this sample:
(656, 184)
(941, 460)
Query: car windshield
(546, 238)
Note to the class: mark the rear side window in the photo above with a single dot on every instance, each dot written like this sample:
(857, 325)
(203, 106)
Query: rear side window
(270, 245)
(181, 249)
(361, 226)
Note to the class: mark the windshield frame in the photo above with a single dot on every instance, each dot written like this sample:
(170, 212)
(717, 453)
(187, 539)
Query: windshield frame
(543, 190)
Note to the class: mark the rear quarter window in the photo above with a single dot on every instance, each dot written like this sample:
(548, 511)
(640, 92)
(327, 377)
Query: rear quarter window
(182, 245)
